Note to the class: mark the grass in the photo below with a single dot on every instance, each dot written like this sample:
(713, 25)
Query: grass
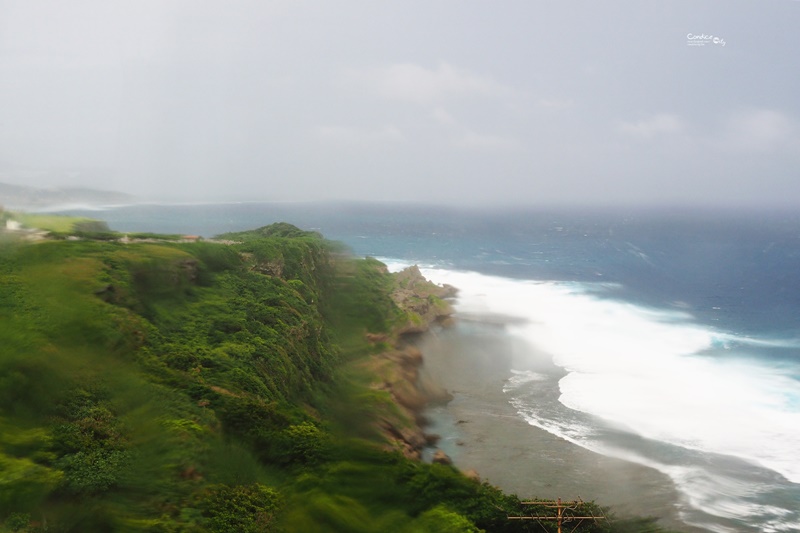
(55, 223)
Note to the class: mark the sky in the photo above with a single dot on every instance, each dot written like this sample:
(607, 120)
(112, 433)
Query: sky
(503, 102)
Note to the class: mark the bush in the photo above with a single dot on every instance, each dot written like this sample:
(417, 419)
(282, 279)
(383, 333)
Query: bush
(306, 444)
(442, 520)
(93, 472)
(90, 226)
(240, 509)
(23, 483)
(17, 521)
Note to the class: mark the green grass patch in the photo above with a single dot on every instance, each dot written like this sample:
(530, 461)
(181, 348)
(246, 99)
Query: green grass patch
(48, 222)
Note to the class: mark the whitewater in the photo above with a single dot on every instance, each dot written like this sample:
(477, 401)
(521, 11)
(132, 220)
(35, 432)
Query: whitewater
(642, 384)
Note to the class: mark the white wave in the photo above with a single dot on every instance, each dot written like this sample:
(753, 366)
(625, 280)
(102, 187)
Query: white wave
(394, 265)
(644, 369)
(569, 430)
(522, 377)
(729, 498)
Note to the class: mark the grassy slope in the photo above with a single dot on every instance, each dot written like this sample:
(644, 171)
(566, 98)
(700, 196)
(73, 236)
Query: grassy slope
(204, 387)
(47, 222)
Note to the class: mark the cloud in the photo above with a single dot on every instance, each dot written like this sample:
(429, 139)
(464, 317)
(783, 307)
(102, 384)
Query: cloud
(471, 140)
(760, 130)
(351, 136)
(555, 104)
(744, 132)
(436, 92)
(660, 124)
(463, 137)
(441, 116)
(413, 83)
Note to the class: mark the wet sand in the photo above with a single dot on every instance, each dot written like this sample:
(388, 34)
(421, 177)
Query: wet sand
(481, 431)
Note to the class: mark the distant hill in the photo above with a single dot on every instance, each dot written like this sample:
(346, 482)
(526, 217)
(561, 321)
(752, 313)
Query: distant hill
(24, 197)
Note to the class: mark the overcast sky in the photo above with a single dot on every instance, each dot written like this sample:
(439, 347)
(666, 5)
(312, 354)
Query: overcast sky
(531, 102)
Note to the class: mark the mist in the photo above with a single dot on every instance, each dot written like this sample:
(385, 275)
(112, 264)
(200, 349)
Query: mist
(631, 103)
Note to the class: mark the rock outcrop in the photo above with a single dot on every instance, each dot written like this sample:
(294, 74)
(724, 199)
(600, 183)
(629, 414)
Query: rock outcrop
(425, 305)
(442, 458)
(423, 301)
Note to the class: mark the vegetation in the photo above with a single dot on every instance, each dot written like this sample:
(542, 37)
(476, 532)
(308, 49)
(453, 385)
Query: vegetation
(170, 386)
(58, 223)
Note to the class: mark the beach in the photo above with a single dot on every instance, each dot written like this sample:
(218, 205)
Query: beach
(481, 431)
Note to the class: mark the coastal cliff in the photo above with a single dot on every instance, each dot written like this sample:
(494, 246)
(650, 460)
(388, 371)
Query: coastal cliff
(270, 383)
(423, 304)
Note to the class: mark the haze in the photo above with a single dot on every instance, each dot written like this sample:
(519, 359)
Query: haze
(508, 102)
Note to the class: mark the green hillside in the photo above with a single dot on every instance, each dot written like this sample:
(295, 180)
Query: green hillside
(170, 387)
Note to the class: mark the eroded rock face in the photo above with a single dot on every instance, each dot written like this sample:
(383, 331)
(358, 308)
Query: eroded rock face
(442, 458)
(270, 268)
(411, 391)
(409, 439)
(424, 301)
(473, 475)
(432, 391)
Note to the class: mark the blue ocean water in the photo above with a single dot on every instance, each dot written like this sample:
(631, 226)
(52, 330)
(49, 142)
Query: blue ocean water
(677, 332)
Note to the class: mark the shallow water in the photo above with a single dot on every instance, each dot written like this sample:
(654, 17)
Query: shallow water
(480, 430)
(627, 383)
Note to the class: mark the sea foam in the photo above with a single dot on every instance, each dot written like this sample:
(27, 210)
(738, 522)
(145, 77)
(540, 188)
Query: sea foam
(649, 372)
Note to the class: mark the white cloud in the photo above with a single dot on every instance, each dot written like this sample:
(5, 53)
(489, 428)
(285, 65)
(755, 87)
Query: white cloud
(350, 136)
(760, 130)
(413, 83)
(555, 104)
(660, 124)
(471, 140)
(441, 116)
(462, 137)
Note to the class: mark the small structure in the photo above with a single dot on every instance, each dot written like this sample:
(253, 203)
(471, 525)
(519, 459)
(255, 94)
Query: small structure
(13, 225)
(566, 512)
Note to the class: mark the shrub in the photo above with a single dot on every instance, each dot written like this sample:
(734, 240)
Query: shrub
(306, 444)
(240, 509)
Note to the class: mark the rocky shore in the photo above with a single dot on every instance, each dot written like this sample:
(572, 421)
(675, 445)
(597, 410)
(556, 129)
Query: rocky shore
(425, 305)
(468, 379)
(483, 432)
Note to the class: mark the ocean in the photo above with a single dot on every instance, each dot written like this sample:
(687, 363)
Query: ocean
(664, 338)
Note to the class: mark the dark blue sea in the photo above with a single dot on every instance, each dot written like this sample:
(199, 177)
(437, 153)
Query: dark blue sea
(677, 331)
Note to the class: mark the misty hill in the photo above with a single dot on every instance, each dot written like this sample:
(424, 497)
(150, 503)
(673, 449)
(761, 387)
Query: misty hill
(25, 197)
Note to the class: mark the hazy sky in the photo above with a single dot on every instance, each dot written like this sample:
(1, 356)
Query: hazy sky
(461, 101)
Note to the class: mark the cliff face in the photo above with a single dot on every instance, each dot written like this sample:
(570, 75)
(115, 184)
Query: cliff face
(423, 301)
(422, 305)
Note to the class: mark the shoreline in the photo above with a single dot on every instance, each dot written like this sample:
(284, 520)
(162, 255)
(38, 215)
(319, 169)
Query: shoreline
(448, 378)
(481, 431)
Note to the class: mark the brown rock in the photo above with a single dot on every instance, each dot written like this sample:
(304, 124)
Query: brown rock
(432, 391)
(442, 458)
(432, 438)
(377, 337)
(473, 475)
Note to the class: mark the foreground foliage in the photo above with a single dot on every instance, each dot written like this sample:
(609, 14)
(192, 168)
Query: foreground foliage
(170, 386)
